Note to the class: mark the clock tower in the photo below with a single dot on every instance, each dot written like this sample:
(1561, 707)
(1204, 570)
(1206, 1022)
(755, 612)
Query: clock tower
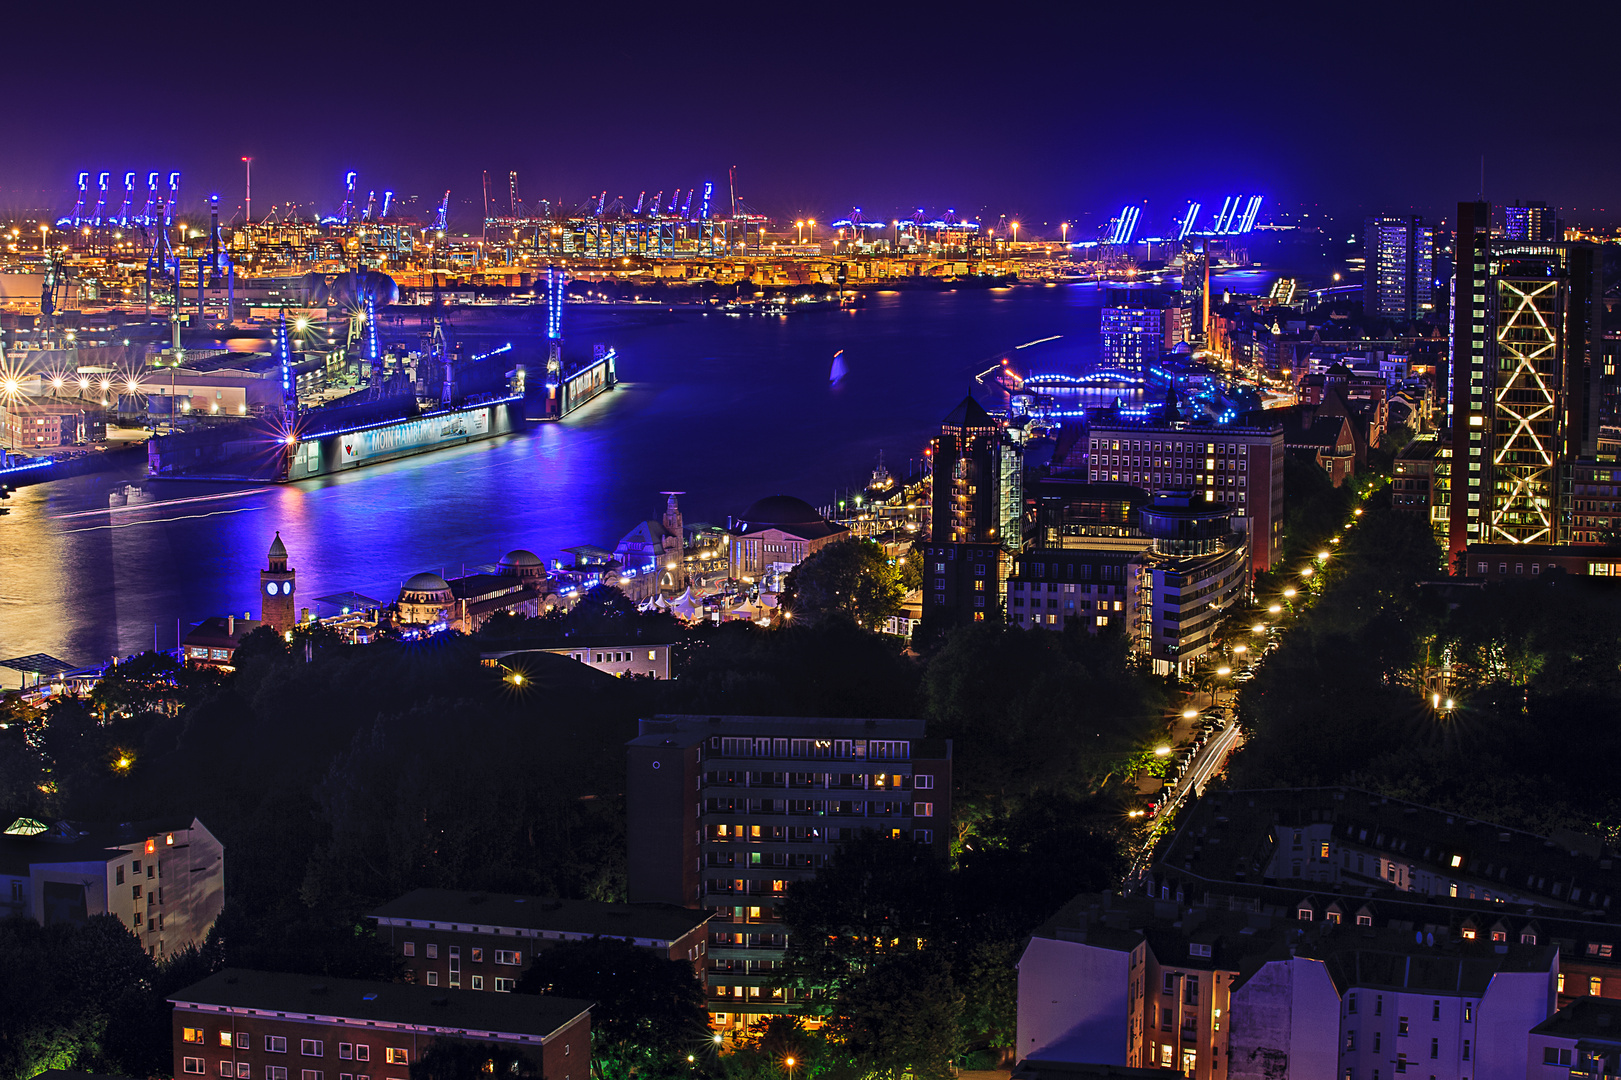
(276, 590)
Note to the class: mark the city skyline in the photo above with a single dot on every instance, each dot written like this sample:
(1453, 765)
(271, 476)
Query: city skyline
(1048, 115)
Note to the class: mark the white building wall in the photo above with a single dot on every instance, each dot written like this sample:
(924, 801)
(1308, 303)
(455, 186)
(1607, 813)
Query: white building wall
(1514, 1003)
(1074, 1002)
(1483, 1038)
(1285, 1023)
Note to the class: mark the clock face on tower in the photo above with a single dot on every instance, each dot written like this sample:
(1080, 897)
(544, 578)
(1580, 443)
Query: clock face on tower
(270, 588)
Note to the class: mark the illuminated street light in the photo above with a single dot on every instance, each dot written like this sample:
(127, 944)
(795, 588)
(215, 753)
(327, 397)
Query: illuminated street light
(1162, 751)
(1241, 648)
(1224, 670)
(1258, 628)
(1189, 714)
(1289, 593)
(1306, 572)
(1275, 609)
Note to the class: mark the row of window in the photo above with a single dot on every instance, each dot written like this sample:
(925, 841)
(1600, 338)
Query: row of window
(277, 1044)
(241, 1070)
(514, 957)
(871, 749)
(613, 657)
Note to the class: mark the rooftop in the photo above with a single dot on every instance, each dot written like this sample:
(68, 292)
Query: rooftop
(1230, 836)
(28, 841)
(318, 997)
(1585, 1018)
(1205, 936)
(687, 730)
(457, 910)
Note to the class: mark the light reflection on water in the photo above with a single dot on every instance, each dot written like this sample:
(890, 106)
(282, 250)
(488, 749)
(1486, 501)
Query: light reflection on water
(727, 410)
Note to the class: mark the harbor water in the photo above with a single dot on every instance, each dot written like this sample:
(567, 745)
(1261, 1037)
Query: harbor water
(724, 409)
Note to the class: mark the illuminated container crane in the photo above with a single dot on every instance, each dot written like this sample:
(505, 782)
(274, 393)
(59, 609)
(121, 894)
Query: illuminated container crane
(129, 193)
(444, 208)
(151, 198)
(1188, 221)
(78, 207)
(348, 207)
(1248, 221)
(101, 200)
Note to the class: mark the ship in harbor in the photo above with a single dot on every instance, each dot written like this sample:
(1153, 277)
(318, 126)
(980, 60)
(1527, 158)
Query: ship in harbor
(391, 418)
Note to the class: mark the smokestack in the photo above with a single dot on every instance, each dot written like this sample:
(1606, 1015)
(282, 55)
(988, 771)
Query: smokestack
(230, 625)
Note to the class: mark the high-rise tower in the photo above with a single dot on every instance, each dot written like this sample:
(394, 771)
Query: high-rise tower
(978, 510)
(1399, 279)
(276, 603)
(1524, 387)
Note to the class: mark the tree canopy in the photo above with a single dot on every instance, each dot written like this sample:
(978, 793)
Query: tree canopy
(849, 578)
(649, 1010)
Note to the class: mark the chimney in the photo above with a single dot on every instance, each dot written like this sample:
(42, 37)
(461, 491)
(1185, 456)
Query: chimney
(230, 625)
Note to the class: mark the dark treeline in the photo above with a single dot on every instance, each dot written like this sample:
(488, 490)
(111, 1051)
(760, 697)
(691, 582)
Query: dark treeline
(339, 781)
(1532, 667)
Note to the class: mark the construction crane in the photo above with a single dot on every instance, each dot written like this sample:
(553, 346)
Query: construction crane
(55, 281)
(444, 208)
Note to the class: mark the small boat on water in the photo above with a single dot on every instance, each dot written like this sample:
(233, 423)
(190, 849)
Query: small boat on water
(839, 371)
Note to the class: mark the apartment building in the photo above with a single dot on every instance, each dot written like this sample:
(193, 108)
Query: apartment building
(164, 878)
(1214, 991)
(1332, 856)
(1239, 466)
(486, 941)
(725, 811)
(261, 1025)
(1164, 568)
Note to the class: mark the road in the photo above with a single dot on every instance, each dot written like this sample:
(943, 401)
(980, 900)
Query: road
(1205, 763)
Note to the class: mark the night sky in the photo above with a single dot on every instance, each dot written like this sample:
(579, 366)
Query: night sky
(1036, 111)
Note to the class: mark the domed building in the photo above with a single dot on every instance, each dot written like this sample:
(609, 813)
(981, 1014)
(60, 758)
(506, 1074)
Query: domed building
(519, 584)
(526, 566)
(776, 534)
(425, 599)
